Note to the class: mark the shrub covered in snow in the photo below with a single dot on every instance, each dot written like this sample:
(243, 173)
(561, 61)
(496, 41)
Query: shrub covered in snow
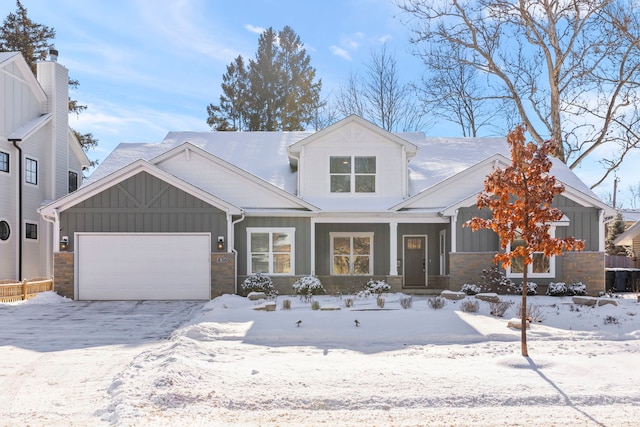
(498, 309)
(259, 282)
(470, 306)
(577, 288)
(406, 302)
(377, 286)
(531, 288)
(437, 302)
(308, 286)
(557, 289)
(494, 280)
(470, 289)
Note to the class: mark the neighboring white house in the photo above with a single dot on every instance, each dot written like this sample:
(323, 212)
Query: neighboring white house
(192, 216)
(40, 161)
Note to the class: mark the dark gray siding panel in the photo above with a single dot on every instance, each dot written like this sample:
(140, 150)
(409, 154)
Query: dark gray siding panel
(380, 245)
(433, 241)
(302, 243)
(584, 223)
(143, 204)
(474, 241)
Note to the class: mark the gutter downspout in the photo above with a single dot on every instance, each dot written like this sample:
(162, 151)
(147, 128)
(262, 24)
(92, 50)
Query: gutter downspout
(233, 249)
(15, 144)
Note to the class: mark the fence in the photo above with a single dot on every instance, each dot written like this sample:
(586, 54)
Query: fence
(611, 261)
(11, 291)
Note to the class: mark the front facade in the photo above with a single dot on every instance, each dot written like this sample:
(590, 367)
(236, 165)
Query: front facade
(40, 161)
(191, 217)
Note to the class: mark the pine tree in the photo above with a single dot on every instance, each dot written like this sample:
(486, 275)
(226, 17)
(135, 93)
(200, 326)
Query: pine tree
(276, 90)
(614, 229)
(20, 34)
(519, 197)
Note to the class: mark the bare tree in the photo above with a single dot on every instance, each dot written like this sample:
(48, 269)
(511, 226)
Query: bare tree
(570, 68)
(380, 96)
(452, 90)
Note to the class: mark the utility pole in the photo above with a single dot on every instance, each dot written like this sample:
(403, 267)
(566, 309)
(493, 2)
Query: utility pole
(615, 190)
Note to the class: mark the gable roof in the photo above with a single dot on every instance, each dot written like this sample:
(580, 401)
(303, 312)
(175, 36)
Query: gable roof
(401, 138)
(26, 75)
(626, 238)
(87, 191)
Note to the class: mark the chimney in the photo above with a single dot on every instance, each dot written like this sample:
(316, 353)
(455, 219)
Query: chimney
(53, 54)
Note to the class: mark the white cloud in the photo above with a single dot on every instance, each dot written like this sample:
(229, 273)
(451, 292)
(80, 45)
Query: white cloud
(254, 29)
(342, 53)
(385, 38)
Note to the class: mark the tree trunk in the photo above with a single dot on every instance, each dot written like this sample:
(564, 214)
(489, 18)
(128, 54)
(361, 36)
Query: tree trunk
(523, 314)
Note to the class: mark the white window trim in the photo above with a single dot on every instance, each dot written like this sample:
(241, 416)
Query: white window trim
(351, 235)
(270, 230)
(8, 162)
(37, 171)
(352, 176)
(530, 273)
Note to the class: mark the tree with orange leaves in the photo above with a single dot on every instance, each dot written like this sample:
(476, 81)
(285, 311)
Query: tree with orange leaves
(520, 198)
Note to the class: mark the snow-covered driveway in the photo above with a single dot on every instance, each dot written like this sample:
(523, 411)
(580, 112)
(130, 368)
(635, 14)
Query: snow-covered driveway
(65, 356)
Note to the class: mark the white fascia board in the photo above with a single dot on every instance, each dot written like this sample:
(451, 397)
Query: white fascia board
(267, 186)
(90, 190)
(380, 217)
(77, 149)
(626, 238)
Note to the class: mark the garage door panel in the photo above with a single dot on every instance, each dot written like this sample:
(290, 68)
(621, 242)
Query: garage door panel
(130, 266)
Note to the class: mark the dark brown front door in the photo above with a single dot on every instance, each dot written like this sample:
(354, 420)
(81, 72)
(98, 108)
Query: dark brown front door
(415, 256)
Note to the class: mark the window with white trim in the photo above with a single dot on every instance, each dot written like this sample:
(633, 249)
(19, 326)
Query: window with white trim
(4, 161)
(31, 171)
(352, 174)
(542, 265)
(271, 250)
(351, 253)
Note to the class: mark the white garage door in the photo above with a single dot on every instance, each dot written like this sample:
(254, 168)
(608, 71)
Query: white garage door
(143, 266)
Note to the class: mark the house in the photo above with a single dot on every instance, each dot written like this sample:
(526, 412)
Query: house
(192, 216)
(40, 161)
(631, 236)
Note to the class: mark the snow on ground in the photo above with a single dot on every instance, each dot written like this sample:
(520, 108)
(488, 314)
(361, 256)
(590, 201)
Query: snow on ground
(232, 365)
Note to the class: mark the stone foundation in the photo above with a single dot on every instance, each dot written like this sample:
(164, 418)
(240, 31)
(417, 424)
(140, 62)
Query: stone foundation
(585, 267)
(63, 276)
(466, 267)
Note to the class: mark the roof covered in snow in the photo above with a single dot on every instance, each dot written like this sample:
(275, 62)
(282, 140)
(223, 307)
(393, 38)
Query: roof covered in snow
(265, 155)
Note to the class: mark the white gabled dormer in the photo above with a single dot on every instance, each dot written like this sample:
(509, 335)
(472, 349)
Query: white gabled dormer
(352, 165)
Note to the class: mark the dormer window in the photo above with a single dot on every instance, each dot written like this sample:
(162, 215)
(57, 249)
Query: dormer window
(353, 174)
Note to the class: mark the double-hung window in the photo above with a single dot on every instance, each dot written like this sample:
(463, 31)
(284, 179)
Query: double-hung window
(271, 250)
(542, 265)
(351, 253)
(31, 171)
(352, 174)
(4, 161)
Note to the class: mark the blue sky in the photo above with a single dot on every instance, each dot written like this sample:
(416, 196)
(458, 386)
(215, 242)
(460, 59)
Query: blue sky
(147, 67)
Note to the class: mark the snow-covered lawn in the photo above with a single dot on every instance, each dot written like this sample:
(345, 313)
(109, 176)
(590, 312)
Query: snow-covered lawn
(230, 364)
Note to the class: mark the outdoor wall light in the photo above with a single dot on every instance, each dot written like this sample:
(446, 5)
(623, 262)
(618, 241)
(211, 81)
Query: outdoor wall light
(64, 244)
(220, 243)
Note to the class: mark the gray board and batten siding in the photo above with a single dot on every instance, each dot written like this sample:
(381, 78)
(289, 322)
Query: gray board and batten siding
(143, 204)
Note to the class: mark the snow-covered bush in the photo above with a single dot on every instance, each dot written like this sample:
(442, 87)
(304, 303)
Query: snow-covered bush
(308, 286)
(377, 286)
(286, 304)
(259, 282)
(577, 288)
(380, 302)
(470, 306)
(498, 309)
(437, 302)
(494, 280)
(406, 302)
(557, 289)
(315, 305)
(531, 288)
(470, 289)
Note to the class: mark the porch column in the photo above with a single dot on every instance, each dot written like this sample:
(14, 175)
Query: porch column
(454, 227)
(393, 249)
(312, 249)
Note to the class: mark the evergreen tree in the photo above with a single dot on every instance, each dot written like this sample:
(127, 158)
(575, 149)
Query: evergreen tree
(275, 91)
(20, 34)
(614, 229)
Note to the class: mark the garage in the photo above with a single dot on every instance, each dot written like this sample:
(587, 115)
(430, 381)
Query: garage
(143, 266)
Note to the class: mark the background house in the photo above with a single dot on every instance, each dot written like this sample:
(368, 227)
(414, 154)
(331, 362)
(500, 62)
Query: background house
(631, 236)
(40, 160)
(192, 216)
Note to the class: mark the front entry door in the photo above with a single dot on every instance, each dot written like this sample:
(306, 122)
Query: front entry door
(415, 260)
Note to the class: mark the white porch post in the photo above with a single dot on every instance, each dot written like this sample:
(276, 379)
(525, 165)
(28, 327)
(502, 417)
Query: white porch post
(312, 242)
(393, 248)
(454, 225)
